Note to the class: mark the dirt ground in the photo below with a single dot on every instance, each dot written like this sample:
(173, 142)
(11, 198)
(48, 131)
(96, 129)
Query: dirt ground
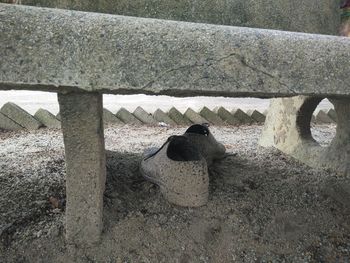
(263, 207)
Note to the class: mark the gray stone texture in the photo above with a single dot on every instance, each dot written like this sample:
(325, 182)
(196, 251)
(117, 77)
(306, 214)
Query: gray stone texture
(194, 116)
(47, 118)
(332, 114)
(187, 59)
(58, 116)
(287, 128)
(144, 116)
(82, 127)
(178, 117)
(20, 116)
(292, 15)
(8, 124)
(126, 117)
(257, 116)
(110, 118)
(322, 117)
(212, 117)
(241, 116)
(161, 116)
(226, 116)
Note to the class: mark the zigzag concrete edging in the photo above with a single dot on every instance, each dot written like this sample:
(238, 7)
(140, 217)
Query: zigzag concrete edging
(10, 120)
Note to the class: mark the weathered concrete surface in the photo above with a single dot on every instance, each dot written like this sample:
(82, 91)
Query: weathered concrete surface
(144, 116)
(109, 117)
(161, 116)
(178, 117)
(226, 116)
(47, 118)
(194, 116)
(310, 16)
(82, 127)
(127, 117)
(127, 55)
(287, 128)
(8, 124)
(241, 116)
(212, 117)
(20, 116)
(256, 116)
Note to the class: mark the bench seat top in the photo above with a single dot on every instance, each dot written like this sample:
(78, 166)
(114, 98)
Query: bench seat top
(69, 51)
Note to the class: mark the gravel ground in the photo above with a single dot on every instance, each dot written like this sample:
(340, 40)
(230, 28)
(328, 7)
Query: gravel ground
(263, 207)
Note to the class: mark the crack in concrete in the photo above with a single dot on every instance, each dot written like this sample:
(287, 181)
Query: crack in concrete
(210, 62)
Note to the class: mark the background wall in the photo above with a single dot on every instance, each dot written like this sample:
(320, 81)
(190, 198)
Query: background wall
(312, 16)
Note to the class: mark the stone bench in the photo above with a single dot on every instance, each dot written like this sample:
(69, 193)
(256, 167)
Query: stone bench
(81, 55)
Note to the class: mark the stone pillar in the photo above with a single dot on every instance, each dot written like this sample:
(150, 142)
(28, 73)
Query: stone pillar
(82, 126)
(287, 128)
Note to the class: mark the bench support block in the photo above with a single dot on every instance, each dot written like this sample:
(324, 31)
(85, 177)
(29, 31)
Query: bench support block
(287, 128)
(82, 126)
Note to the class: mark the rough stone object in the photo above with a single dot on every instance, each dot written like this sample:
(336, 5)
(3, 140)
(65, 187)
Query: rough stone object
(241, 116)
(82, 127)
(47, 118)
(20, 116)
(332, 114)
(127, 117)
(287, 128)
(257, 116)
(109, 117)
(227, 116)
(194, 116)
(274, 14)
(8, 124)
(322, 117)
(144, 116)
(212, 117)
(178, 117)
(161, 116)
(67, 51)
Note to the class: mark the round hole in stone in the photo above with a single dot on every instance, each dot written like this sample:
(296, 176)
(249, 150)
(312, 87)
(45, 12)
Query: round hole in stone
(323, 125)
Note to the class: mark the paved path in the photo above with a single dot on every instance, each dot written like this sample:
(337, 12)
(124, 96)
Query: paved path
(33, 100)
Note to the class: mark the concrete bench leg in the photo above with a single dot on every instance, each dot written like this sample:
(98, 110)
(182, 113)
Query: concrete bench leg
(82, 126)
(287, 128)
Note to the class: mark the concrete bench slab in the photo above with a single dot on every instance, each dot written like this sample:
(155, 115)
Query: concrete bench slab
(117, 54)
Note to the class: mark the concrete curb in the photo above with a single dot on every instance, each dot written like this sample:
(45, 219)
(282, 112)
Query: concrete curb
(7, 124)
(195, 117)
(212, 117)
(177, 116)
(20, 116)
(127, 117)
(110, 118)
(161, 116)
(144, 116)
(47, 118)
(12, 117)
